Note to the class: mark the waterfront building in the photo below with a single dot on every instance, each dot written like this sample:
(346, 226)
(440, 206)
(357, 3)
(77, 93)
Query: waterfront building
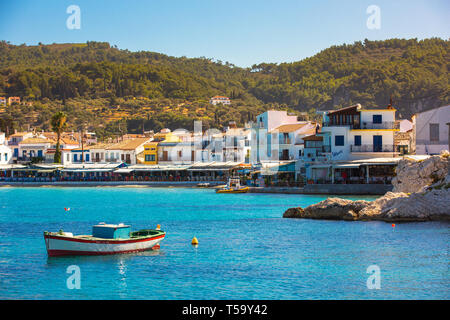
(236, 144)
(125, 151)
(5, 151)
(361, 133)
(271, 119)
(319, 168)
(290, 139)
(34, 149)
(404, 139)
(263, 147)
(356, 146)
(151, 153)
(3, 101)
(220, 100)
(15, 139)
(80, 154)
(432, 130)
(96, 152)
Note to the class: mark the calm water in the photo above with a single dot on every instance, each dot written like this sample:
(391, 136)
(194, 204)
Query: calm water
(246, 251)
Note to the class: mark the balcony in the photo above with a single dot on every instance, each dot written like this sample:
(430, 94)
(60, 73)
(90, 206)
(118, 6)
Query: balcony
(372, 148)
(366, 125)
(285, 141)
(383, 125)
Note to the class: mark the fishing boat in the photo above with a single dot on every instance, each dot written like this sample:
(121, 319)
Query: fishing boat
(204, 185)
(233, 186)
(105, 239)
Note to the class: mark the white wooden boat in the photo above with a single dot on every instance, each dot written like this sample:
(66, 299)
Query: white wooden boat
(105, 239)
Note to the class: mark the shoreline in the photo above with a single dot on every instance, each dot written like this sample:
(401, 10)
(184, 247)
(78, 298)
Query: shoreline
(359, 190)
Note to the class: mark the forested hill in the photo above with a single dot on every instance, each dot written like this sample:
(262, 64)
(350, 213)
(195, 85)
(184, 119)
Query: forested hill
(100, 84)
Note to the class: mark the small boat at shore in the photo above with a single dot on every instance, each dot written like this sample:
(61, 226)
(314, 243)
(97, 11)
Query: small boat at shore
(105, 239)
(233, 186)
(204, 185)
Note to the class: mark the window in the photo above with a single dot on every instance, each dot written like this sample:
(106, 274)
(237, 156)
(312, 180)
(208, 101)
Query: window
(339, 141)
(434, 131)
(357, 140)
(377, 118)
(6, 157)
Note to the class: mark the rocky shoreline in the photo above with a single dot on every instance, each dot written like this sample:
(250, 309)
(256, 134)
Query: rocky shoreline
(421, 193)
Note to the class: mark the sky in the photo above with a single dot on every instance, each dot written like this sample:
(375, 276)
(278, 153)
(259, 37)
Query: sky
(242, 32)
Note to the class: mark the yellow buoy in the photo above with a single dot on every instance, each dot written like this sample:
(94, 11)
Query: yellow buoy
(194, 241)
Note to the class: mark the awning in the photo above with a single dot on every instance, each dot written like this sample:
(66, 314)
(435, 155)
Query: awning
(158, 168)
(346, 166)
(211, 169)
(46, 170)
(320, 166)
(87, 170)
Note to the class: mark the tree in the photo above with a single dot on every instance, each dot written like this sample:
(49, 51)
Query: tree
(58, 123)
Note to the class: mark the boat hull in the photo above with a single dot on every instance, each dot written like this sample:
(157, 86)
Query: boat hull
(64, 246)
(242, 190)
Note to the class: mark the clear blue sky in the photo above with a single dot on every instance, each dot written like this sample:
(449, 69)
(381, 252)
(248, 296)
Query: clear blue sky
(242, 32)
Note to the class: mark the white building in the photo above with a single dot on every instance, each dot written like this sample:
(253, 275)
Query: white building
(273, 118)
(219, 99)
(290, 139)
(34, 148)
(277, 135)
(5, 151)
(125, 151)
(360, 133)
(432, 130)
(236, 145)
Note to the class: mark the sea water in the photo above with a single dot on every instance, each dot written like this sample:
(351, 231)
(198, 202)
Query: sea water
(246, 249)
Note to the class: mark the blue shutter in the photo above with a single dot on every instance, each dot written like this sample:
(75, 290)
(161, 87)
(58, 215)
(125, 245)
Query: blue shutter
(377, 118)
(357, 140)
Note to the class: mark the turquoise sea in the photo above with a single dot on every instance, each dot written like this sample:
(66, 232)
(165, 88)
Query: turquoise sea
(246, 250)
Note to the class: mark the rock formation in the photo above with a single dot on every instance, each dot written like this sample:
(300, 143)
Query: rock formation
(421, 193)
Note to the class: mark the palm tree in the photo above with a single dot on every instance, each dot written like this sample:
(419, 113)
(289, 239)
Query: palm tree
(58, 123)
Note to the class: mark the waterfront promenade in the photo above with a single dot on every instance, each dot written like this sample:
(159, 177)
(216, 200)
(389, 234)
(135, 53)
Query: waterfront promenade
(336, 189)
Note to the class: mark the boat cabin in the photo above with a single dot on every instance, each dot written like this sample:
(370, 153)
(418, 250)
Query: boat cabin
(111, 231)
(234, 183)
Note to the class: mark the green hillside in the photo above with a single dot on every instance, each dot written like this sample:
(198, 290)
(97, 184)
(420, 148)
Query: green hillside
(110, 89)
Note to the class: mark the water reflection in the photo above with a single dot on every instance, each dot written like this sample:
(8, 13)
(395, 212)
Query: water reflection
(120, 258)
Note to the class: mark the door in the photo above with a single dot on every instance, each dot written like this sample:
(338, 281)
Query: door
(377, 143)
